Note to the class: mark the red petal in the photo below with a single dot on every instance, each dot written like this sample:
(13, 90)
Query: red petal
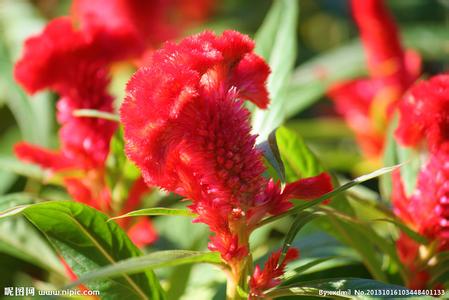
(45, 158)
(309, 188)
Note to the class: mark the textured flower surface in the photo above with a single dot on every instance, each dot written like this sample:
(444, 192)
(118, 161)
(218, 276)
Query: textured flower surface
(367, 104)
(424, 118)
(426, 210)
(424, 115)
(187, 130)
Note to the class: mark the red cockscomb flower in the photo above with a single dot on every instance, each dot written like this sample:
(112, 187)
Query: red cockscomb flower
(424, 120)
(367, 104)
(424, 114)
(75, 66)
(186, 128)
(267, 278)
(426, 210)
(138, 25)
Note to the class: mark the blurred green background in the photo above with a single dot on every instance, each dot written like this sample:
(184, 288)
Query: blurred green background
(327, 40)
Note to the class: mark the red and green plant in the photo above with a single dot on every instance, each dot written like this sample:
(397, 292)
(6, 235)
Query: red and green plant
(190, 164)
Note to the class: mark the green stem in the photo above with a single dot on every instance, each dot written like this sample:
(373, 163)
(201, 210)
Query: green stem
(238, 279)
(92, 113)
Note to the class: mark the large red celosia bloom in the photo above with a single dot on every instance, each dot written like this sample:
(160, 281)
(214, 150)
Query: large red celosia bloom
(367, 104)
(186, 128)
(75, 66)
(424, 120)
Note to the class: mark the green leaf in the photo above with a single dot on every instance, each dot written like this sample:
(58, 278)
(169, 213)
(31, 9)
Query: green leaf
(87, 242)
(179, 275)
(270, 151)
(34, 114)
(121, 173)
(311, 79)
(276, 42)
(398, 154)
(153, 260)
(11, 164)
(407, 230)
(20, 239)
(7, 140)
(297, 271)
(301, 220)
(410, 170)
(440, 270)
(348, 288)
(390, 157)
(331, 194)
(158, 211)
(361, 236)
(299, 160)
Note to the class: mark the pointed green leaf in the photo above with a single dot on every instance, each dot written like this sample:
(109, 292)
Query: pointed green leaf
(270, 151)
(87, 242)
(298, 159)
(278, 43)
(407, 230)
(11, 164)
(299, 270)
(158, 211)
(153, 260)
(20, 239)
(301, 220)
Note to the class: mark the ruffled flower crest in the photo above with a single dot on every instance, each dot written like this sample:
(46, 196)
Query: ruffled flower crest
(187, 130)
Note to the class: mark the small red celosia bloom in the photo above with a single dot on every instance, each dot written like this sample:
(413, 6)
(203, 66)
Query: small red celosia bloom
(67, 62)
(267, 278)
(75, 65)
(424, 114)
(186, 128)
(367, 104)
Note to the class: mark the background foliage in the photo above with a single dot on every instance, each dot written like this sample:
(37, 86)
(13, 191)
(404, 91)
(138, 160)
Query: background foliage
(289, 34)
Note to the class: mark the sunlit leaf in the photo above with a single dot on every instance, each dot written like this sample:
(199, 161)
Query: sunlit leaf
(301, 220)
(20, 239)
(407, 230)
(158, 211)
(87, 242)
(298, 159)
(270, 151)
(153, 260)
(276, 42)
